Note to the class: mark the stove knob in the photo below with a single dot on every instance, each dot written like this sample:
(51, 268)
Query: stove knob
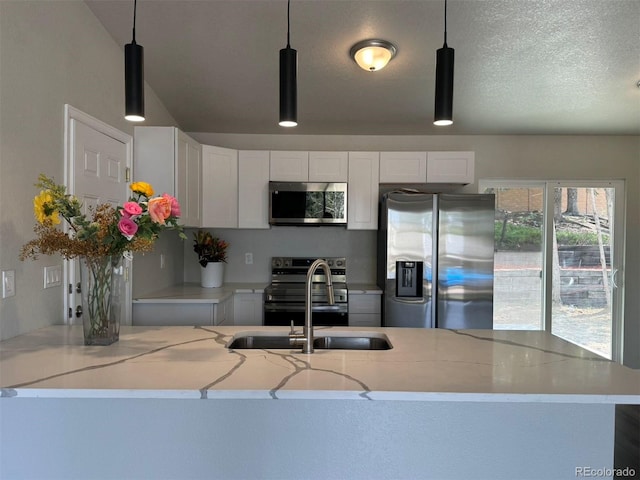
(339, 263)
(277, 262)
(330, 263)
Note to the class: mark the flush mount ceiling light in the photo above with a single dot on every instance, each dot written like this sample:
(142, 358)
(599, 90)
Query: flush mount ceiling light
(134, 77)
(373, 55)
(288, 82)
(443, 111)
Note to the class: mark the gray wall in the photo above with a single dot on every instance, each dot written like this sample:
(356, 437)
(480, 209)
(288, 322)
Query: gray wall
(358, 246)
(51, 53)
(235, 438)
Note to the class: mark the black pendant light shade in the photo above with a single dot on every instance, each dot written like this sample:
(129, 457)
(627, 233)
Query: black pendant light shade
(134, 77)
(288, 87)
(134, 82)
(443, 110)
(288, 82)
(444, 86)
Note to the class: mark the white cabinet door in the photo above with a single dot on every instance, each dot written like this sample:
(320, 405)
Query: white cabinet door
(219, 187)
(171, 162)
(188, 177)
(154, 158)
(253, 189)
(248, 309)
(364, 310)
(328, 166)
(451, 167)
(289, 166)
(403, 167)
(363, 191)
(224, 312)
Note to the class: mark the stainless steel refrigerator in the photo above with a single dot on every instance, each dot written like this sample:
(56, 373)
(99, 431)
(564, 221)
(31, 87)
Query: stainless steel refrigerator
(435, 260)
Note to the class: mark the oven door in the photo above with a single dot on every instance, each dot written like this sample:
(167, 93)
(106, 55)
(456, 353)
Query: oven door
(323, 315)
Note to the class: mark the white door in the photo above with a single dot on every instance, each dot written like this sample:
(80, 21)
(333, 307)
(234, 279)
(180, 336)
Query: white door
(98, 158)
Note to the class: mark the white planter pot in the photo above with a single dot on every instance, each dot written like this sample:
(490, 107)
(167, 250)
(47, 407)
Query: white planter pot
(211, 275)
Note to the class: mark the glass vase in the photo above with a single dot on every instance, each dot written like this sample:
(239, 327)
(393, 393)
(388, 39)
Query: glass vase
(101, 290)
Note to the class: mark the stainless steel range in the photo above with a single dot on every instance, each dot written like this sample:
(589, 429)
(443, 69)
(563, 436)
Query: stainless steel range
(284, 298)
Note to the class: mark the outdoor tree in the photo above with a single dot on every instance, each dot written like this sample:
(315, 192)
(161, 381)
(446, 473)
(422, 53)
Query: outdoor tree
(572, 202)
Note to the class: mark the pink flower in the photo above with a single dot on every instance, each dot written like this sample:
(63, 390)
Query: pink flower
(159, 209)
(175, 206)
(127, 227)
(131, 209)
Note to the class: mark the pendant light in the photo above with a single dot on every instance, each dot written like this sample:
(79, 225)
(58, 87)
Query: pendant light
(443, 111)
(134, 77)
(288, 82)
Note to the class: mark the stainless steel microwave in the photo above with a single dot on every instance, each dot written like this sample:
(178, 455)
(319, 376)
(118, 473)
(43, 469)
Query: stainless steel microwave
(307, 203)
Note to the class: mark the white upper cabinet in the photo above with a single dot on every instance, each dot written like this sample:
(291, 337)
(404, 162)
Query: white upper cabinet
(289, 166)
(219, 187)
(403, 167)
(298, 166)
(451, 167)
(253, 189)
(328, 166)
(188, 179)
(170, 161)
(362, 213)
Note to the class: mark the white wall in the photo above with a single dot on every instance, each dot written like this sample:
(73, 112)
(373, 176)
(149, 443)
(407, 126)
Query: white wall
(51, 53)
(509, 157)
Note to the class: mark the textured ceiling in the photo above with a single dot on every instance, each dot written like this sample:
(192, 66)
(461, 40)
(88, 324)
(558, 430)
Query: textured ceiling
(522, 66)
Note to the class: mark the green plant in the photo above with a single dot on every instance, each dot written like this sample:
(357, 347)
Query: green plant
(580, 238)
(516, 236)
(209, 248)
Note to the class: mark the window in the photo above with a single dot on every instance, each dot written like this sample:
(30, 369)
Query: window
(558, 249)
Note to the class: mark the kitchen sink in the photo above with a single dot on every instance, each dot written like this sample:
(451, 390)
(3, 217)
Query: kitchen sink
(339, 341)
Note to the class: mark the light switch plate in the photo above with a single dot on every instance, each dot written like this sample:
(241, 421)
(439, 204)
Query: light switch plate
(248, 258)
(53, 276)
(8, 283)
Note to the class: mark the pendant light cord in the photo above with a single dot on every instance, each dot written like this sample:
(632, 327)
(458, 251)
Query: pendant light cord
(135, 2)
(445, 23)
(288, 24)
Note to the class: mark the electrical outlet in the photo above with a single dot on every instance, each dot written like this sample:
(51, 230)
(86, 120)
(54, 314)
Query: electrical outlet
(52, 276)
(8, 283)
(248, 258)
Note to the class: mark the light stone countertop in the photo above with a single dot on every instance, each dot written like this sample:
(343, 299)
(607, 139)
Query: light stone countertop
(364, 289)
(423, 365)
(194, 293)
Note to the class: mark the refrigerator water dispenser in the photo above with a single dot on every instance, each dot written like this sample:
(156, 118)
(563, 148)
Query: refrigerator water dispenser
(409, 279)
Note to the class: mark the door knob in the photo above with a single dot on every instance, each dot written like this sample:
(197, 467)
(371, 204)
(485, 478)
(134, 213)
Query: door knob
(78, 311)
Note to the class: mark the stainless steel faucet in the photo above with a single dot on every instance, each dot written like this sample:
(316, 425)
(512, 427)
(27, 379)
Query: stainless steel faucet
(306, 338)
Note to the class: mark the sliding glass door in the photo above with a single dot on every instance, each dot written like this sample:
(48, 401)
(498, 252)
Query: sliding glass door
(557, 262)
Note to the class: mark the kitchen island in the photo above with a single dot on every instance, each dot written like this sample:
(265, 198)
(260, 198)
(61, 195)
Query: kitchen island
(174, 402)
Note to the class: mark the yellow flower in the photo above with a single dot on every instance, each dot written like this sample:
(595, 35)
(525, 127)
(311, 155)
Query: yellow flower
(42, 204)
(143, 188)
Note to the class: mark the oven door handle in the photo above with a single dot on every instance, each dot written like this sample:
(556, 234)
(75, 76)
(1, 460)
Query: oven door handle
(269, 307)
